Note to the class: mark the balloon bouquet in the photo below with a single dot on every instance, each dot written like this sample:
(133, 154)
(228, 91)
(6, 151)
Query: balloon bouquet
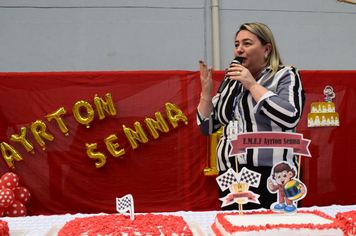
(12, 197)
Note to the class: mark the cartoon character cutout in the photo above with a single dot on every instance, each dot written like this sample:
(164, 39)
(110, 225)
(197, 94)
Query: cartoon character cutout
(329, 93)
(289, 189)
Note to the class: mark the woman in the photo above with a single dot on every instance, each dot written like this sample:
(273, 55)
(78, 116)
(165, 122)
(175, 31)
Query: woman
(261, 95)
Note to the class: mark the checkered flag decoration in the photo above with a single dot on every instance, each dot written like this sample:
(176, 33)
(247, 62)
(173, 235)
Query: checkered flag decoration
(124, 204)
(226, 179)
(250, 177)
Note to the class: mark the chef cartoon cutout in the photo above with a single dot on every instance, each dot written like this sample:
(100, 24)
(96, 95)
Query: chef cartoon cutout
(283, 181)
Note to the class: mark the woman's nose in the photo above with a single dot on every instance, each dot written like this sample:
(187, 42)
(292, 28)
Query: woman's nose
(239, 50)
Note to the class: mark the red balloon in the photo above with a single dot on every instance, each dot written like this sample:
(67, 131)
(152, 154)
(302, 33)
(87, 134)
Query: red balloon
(22, 194)
(16, 209)
(9, 180)
(7, 197)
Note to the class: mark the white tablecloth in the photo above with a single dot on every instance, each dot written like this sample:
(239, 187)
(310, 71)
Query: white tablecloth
(39, 225)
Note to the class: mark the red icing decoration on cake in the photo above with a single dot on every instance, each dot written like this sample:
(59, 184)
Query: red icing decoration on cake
(4, 228)
(216, 230)
(147, 224)
(349, 220)
(231, 228)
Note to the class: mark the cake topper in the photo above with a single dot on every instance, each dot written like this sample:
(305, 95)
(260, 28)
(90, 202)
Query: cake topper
(238, 184)
(282, 181)
(125, 204)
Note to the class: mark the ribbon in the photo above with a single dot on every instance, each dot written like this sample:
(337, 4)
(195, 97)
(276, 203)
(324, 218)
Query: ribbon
(294, 141)
(241, 198)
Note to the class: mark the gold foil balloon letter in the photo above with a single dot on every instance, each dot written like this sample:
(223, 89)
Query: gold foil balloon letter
(10, 157)
(77, 114)
(97, 156)
(22, 139)
(132, 136)
(38, 129)
(58, 117)
(102, 106)
(178, 117)
(113, 146)
(153, 125)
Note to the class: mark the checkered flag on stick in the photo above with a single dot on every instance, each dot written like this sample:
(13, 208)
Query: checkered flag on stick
(226, 179)
(250, 177)
(124, 204)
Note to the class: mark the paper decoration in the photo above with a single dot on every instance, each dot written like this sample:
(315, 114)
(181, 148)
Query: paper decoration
(323, 113)
(125, 204)
(240, 194)
(226, 179)
(250, 177)
(239, 184)
(289, 189)
(247, 140)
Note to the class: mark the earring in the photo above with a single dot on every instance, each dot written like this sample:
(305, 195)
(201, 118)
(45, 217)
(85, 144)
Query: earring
(265, 56)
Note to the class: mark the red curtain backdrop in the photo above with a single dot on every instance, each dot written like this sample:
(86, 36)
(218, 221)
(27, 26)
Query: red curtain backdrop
(164, 174)
(330, 173)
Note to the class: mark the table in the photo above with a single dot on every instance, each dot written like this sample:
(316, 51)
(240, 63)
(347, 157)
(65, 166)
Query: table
(38, 225)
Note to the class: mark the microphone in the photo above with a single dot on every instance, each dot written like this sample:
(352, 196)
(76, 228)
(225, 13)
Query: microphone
(237, 60)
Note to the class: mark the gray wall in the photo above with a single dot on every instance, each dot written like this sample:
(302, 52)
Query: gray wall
(125, 35)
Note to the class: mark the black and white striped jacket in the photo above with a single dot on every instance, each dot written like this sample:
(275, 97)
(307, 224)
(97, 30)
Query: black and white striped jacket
(279, 110)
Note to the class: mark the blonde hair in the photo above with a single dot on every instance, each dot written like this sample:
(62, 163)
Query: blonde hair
(265, 36)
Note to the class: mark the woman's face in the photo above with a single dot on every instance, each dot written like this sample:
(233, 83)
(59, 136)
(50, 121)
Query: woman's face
(249, 47)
